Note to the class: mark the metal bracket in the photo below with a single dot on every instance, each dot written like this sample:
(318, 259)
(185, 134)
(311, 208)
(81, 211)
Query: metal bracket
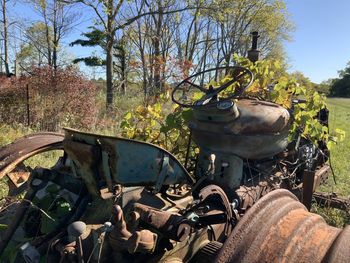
(163, 173)
(107, 171)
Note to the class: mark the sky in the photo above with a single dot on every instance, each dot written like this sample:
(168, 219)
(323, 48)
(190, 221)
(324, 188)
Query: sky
(321, 41)
(320, 44)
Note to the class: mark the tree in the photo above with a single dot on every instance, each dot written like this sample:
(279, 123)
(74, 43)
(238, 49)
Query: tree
(106, 12)
(5, 36)
(341, 86)
(58, 20)
(113, 16)
(301, 79)
(324, 87)
(33, 52)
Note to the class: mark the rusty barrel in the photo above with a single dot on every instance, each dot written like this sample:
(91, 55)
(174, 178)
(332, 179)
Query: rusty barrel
(278, 228)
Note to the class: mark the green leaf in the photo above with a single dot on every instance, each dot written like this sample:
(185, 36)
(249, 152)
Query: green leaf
(128, 116)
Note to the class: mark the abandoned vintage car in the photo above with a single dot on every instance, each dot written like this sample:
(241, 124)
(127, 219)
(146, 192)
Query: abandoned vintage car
(111, 199)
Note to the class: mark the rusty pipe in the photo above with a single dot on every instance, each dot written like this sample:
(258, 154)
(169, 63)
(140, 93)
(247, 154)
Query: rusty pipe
(278, 228)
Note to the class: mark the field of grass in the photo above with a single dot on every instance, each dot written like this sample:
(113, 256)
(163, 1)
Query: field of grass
(339, 117)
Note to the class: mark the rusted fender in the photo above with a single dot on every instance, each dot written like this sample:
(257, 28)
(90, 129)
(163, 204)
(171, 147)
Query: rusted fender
(278, 228)
(23, 148)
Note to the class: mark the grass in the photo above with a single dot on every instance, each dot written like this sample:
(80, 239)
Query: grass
(339, 118)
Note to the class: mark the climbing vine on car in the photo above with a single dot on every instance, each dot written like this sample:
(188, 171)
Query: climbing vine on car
(164, 123)
(272, 83)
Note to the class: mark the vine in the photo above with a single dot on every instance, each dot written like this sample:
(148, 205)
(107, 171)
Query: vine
(164, 123)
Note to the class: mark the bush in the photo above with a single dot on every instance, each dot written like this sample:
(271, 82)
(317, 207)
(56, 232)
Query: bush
(56, 98)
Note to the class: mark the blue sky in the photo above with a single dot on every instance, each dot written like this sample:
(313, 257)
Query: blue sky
(321, 41)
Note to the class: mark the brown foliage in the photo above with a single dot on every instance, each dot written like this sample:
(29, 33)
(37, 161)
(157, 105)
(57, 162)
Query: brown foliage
(56, 98)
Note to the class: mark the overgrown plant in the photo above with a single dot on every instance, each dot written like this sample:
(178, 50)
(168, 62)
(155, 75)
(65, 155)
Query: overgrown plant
(165, 125)
(161, 123)
(49, 99)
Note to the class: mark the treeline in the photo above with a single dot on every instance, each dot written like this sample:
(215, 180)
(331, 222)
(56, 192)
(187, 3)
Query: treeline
(338, 87)
(152, 43)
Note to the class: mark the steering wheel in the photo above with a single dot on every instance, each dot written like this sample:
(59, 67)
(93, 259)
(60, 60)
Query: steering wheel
(210, 94)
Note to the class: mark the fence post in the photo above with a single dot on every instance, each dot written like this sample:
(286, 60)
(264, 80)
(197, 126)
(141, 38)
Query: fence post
(27, 102)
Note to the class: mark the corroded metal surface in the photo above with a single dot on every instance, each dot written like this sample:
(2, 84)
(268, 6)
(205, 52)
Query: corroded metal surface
(340, 250)
(18, 151)
(278, 228)
(259, 131)
(260, 117)
(321, 175)
(332, 200)
(107, 160)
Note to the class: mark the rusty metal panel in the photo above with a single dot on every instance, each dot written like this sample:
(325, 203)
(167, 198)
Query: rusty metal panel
(258, 130)
(245, 146)
(321, 176)
(123, 161)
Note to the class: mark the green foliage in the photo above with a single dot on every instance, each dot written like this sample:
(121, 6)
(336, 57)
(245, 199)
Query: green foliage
(160, 123)
(95, 37)
(53, 208)
(286, 88)
(91, 61)
(341, 87)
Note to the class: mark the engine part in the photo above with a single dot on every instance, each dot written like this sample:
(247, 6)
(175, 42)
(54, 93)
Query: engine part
(260, 130)
(29, 253)
(171, 225)
(121, 239)
(278, 228)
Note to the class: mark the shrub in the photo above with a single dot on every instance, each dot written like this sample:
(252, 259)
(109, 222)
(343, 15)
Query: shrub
(56, 98)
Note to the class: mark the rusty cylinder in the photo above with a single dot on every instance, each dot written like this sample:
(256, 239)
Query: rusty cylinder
(278, 228)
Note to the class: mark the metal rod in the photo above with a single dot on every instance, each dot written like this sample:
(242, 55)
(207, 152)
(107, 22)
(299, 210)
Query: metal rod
(308, 187)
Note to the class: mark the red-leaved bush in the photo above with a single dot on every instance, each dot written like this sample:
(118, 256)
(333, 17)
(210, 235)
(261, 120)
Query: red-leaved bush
(56, 98)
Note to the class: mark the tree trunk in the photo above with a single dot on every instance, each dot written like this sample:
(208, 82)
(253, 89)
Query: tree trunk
(157, 51)
(109, 73)
(109, 56)
(123, 69)
(55, 36)
(6, 59)
(48, 39)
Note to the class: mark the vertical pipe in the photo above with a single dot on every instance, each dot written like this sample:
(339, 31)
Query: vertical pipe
(308, 188)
